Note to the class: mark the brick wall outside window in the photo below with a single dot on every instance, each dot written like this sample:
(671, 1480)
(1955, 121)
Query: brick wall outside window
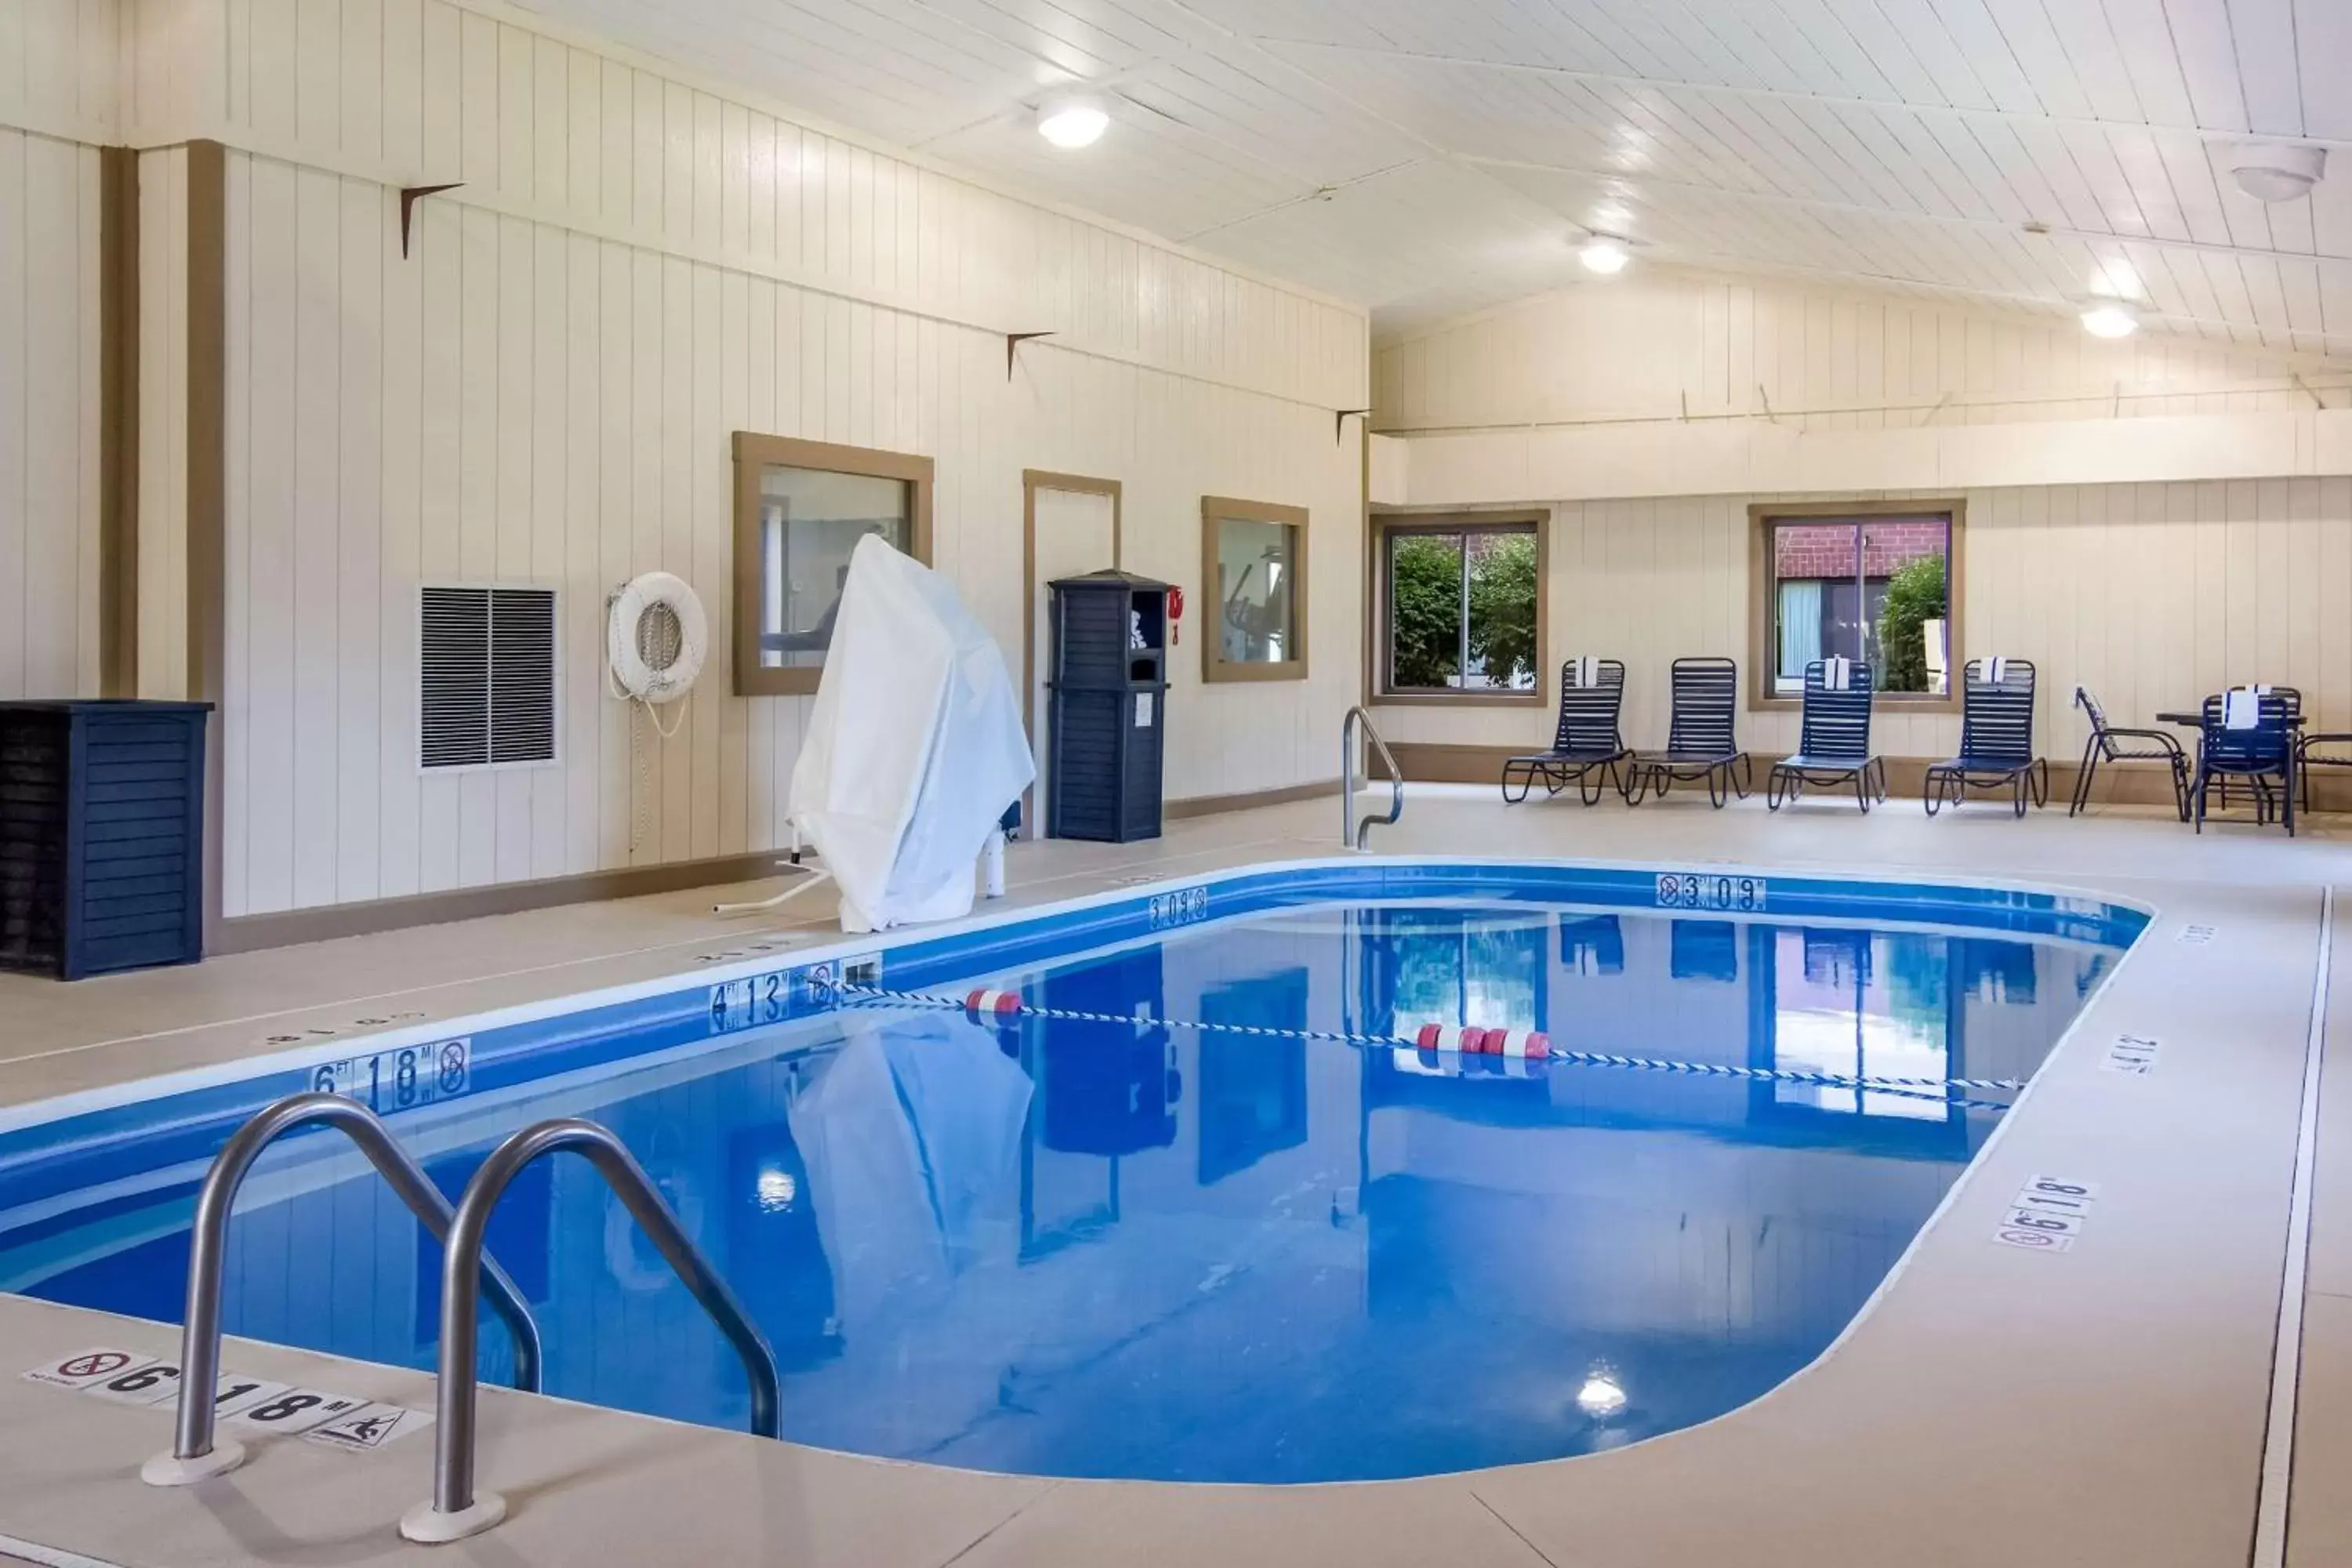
(1826, 549)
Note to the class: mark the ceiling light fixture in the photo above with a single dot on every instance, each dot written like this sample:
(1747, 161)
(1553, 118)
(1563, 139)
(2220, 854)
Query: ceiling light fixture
(1073, 122)
(2276, 171)
(1604, 255)
(2111, 318)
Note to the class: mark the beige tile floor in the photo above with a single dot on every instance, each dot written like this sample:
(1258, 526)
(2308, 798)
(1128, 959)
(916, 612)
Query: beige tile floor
(2105, 1407)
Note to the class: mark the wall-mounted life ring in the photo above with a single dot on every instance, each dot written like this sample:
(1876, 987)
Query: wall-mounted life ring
(656, 638)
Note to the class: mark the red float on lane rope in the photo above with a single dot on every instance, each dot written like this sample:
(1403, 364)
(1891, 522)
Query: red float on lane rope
(1441, 1037)
(1530, 1044)
(987, 1003)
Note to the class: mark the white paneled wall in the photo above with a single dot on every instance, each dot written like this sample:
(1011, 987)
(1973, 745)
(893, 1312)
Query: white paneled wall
(49, 407)
(541, 126)
(1661, 343)
(57, 62)
(545, 390)
(635, 267)
(2150, 594)
(520, 400)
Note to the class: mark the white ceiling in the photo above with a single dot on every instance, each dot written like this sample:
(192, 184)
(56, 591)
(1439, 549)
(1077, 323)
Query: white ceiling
(1431, 157)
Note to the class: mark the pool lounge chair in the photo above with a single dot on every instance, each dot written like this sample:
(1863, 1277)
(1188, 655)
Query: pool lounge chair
(1833, 747)
(1700, 743)
(1587, 749)
(1996, 738)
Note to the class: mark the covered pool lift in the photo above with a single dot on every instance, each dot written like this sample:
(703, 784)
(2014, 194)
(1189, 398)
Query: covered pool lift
(914, 754)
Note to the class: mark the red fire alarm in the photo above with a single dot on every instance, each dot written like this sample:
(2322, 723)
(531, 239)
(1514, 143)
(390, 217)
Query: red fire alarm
(1175, 615)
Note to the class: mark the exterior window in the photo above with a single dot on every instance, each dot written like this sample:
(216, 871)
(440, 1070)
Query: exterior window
(1874, 587)
(801, 507)
(1463, 609)
(1254, 561)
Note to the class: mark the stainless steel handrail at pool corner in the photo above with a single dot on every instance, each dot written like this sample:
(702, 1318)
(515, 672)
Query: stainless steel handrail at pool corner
(193, 1453)
(1352, 833)
(454, 1510)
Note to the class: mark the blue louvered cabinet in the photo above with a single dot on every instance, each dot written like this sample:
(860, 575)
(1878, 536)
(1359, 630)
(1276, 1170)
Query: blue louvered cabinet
(1106, 720)
(102, 836)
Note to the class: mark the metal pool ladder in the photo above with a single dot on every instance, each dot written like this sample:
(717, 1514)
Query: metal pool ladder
(1352, 833)
(194, 1454)
(456, 1510)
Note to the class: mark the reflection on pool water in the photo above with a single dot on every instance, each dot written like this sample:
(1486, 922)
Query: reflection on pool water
(1124, 1249)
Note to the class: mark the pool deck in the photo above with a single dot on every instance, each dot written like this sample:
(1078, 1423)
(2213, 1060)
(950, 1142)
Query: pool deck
(2108, 1405)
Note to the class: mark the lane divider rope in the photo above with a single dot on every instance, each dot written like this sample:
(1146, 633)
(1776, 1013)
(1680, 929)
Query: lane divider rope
(1000, 1006)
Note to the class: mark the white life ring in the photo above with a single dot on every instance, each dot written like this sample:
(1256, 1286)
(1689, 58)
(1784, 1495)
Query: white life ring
(633, 676)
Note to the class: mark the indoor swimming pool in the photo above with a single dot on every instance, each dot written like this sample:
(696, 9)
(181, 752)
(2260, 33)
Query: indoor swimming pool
(1147, 1244)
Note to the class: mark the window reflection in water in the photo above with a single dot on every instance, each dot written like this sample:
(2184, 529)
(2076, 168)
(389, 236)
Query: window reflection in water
(1864, 1005)
(1455, 968)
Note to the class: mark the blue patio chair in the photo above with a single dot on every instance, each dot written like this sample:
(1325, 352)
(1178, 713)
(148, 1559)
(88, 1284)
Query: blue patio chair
(1700, 743)
(1588, 747)
(2294, 697)
(1996, 738)
(2309, 755)
(2255, 754)
(2110, 744)
(1834, 746)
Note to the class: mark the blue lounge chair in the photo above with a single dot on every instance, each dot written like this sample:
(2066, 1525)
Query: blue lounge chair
(1700, 743)
(1834, 746)
(2256, 754)
(1996, 738)
(1588, 748)
(2110, 744)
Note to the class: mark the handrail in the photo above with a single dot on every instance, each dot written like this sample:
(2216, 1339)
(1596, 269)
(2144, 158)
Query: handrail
(1353, 833)
(193, 1455)
(455, 1511)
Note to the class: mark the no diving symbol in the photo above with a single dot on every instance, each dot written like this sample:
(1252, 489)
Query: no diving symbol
(453, 1068)
(98, 1364)
(371, 1429)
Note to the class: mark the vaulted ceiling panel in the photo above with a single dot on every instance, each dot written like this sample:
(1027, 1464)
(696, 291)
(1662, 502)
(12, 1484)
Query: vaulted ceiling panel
(1418, 155)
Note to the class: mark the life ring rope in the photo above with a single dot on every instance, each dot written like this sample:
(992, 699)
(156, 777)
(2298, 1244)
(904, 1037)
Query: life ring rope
(629, 677)
(625, 667)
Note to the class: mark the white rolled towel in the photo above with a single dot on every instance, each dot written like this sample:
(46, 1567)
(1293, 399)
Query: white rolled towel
(1583, 670)
(2241, 708)
(1837, 673)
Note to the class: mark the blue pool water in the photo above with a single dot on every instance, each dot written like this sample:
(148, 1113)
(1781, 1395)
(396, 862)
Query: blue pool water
(1123, 1249)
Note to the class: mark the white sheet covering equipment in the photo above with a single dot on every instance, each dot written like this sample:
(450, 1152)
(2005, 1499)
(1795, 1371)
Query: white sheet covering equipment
(914, 749)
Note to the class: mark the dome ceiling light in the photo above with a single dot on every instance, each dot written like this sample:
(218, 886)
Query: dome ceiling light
(1072, 122)
(2111, 318)
(1605, 254)
(2276, 171)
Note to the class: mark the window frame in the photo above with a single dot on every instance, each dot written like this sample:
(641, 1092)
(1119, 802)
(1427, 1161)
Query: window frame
(1763, 654)
(1214, 666)
(1377, 650)
(752, 453)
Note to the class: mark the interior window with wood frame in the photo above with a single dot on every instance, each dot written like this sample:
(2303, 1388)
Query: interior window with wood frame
(1460, 608)
(1874, 581)
(1254, 562)
(800, 507)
